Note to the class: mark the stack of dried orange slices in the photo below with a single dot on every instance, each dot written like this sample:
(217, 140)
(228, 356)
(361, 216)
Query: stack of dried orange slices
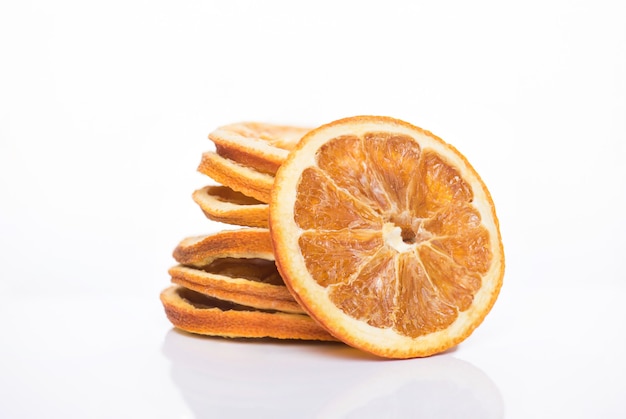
(226, 283)
(385, 236)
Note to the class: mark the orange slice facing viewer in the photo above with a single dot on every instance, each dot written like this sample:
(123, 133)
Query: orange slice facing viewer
(387, 236)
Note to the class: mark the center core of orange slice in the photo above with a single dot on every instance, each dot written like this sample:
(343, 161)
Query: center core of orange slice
(398, 238)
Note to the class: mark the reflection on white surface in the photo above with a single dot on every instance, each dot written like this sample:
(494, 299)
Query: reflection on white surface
(230, 378)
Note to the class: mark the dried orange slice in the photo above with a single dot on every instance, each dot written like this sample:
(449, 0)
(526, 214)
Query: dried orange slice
(241, 178)
(387, 236)
(197, 313)
(233, 265)
(250, 282)
(199, 251)
(222, 204)
(257, 145)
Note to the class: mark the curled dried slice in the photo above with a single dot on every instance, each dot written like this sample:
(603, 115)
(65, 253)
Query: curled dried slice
(197, 313)
(220, 203)
(235, 265)
(240, 178)
(251, 282)
(199, 251)
(257, 145)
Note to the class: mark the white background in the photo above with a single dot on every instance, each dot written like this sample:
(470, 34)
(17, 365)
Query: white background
(105, 109)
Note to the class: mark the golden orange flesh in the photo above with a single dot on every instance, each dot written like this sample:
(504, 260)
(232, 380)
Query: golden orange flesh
(366, 188)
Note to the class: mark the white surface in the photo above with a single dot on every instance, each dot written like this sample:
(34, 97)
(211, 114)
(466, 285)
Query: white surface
(104, 111)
